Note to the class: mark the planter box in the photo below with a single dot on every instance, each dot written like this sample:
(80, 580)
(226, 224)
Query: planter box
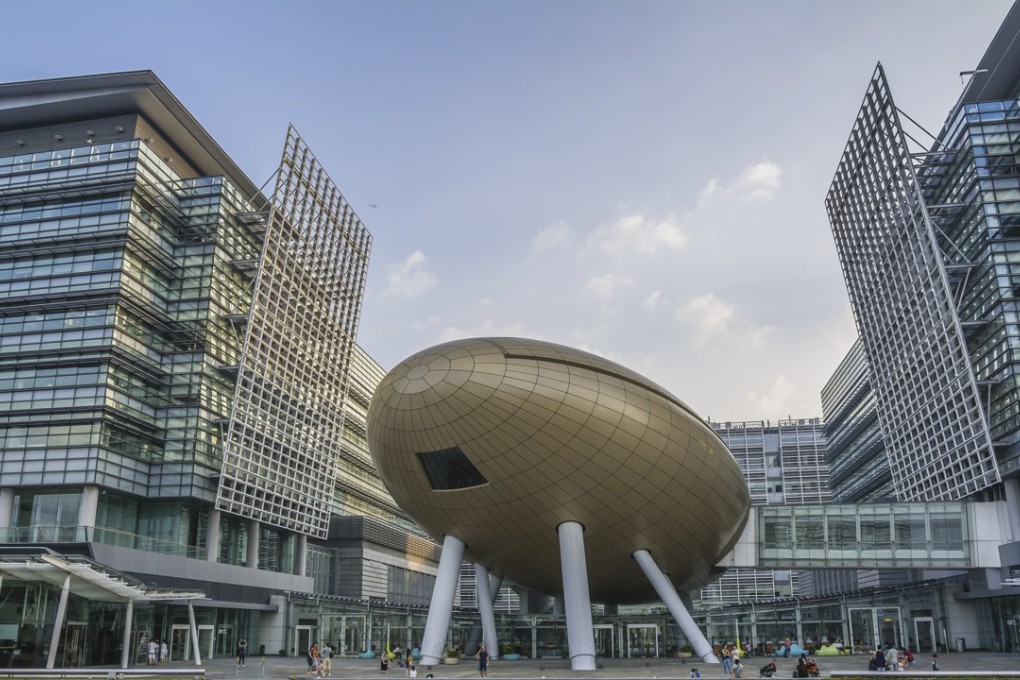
(450, 660)
(513, 656)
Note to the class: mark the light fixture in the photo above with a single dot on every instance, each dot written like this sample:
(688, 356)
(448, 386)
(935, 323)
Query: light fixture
(59, 138)
(119, 128)
(21, 142)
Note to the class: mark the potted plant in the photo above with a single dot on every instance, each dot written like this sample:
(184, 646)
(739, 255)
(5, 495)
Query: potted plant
(685, 651)
(451, 656)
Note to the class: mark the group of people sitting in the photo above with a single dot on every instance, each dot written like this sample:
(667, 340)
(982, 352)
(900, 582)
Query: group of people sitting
(889, 658)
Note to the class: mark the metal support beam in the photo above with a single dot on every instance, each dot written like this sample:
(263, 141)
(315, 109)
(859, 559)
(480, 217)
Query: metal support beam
(576, 598)
(667, 593)
(441, 607)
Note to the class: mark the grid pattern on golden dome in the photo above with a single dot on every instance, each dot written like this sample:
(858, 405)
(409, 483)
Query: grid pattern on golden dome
(558, 435)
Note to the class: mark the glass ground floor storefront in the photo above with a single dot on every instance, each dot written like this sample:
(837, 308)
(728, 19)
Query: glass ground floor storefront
(93, 631)
(930, 616)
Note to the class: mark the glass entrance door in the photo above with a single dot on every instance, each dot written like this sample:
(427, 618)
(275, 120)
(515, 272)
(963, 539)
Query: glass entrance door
(225, 644)
(75, 644)
(303, 639)
(924, 633)
(354, 639)
(643, 639)
(863, 629)
(180, 642)
(205, 640)
(605, 646)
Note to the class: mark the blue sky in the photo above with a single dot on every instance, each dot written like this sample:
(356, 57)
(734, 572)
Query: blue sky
(644, 180)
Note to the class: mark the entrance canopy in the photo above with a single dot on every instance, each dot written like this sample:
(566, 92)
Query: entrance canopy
(81, 576)
(89, 579)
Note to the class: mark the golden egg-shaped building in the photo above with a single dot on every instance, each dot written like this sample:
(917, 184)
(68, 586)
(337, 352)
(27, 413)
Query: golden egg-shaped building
(498, 441)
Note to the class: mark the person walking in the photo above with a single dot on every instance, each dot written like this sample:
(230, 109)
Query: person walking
(727, 661)
(483, 662)
(326, 656)
(150, 658)
(164, 653)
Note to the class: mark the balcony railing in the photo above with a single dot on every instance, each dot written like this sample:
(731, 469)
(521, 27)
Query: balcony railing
(41, 534)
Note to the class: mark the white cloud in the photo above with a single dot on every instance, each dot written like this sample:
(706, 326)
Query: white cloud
(552, 237)
(638, 233)
(708, 194)
(652, 302)
(760, 181)
(707, 313)
(607, 286)
(778, 400)
(409, 278)
(424, 324)
(714, 320)
(488, 328)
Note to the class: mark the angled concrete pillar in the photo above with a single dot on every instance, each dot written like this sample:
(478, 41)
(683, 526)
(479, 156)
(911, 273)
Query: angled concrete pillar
(125, 644)
(58, 624)
(667, 593)
(441, 607)
(576, 598)
(195, 645)
(485, 608)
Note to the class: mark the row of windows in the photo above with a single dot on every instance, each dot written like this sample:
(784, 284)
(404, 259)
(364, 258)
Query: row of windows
(55, 320)
(62, 175)
(81, 155)
(55, 210)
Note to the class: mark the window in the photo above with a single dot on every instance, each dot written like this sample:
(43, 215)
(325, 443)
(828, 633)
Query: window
(450, 469)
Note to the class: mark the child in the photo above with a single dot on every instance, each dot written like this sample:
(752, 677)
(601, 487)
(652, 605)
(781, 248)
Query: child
(694, 673)
(934, 661)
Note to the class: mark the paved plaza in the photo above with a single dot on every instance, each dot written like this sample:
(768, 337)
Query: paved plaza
(343, 669)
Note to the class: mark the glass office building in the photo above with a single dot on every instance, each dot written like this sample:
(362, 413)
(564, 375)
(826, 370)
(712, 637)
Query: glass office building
(182, 395)
(784, 464)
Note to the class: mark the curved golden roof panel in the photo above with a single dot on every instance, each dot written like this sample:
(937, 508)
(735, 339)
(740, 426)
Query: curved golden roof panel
(496, 441)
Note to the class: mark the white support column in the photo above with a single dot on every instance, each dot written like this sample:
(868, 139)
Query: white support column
(6, 511)
(485, 608)
(212, 535)
(125, 645)
(301, 555)
(253, 544)
(58, 623)
(195, 645)
(87, 510)
(495, 583)
(576, 598)
(441, 607)
(1012, 488)
(667, 593)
